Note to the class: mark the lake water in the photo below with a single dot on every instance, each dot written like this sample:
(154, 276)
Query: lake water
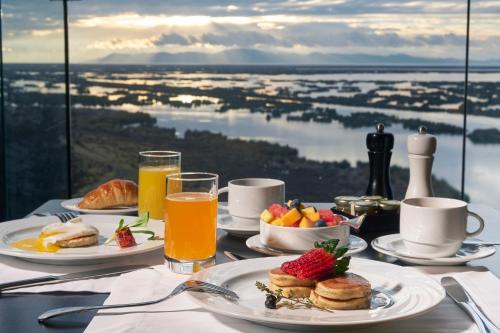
(333, 142)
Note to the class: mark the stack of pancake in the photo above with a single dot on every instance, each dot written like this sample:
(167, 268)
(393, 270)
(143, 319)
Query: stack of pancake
(289, 284)
(344, 292)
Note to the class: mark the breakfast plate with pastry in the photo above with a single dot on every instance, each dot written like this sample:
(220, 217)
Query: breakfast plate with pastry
(321, 290)
(117, 196)
(86, 239)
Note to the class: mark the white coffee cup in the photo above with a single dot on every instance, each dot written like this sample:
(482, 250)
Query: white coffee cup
(435, 227)
(248, 197)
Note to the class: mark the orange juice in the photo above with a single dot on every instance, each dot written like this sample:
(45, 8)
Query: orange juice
(190, 226)
(152, 189)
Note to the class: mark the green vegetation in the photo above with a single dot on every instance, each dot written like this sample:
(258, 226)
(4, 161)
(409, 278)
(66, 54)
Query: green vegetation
(485, 136)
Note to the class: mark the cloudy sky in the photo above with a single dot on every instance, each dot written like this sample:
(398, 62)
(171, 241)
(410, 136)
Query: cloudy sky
(33, 28)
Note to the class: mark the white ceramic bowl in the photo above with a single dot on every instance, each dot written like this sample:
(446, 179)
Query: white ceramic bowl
(292, 239)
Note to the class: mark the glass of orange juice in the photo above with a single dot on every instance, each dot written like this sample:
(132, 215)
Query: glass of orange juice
(154, 167)
(191, 221)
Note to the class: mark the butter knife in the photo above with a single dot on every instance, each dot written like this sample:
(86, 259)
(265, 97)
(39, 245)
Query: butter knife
(103, 272)
(455, 290)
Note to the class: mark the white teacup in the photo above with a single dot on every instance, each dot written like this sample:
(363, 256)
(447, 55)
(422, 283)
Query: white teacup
(435, 227)
(248, 197)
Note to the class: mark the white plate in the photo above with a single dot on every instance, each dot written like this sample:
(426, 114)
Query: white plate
(232, 227)
(356, 245)
(72, 204)
(393, 245)
(413, 292)
(30, 228)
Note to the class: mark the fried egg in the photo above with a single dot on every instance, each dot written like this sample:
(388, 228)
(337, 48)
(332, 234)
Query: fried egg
(54, 234)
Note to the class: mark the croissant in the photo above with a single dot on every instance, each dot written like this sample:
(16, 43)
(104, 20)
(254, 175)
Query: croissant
(116, 192)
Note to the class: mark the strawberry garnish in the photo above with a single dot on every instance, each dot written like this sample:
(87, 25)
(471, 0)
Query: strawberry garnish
(124, 237)
(318, 263)
(312, 265)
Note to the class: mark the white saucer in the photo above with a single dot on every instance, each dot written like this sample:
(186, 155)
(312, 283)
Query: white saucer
(236, 228)
(393, 245)
(72, 204)
(356, 245)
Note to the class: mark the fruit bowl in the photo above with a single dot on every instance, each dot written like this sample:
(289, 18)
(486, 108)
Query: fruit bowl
(301, 239)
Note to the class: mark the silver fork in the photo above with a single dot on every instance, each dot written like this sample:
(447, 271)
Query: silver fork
(63, 217)
(192, 285)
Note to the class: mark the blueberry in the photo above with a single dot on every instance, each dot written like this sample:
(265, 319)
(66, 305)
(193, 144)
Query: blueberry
(271, 302)
(320, 223)
(295, 203)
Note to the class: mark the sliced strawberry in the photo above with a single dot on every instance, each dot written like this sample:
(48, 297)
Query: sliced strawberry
(124, 237)
(314, 264)
(277, 210)
(296, 224)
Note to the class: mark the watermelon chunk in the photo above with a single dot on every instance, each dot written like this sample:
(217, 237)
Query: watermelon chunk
(326, 215)
(277, 210)
(337, 219)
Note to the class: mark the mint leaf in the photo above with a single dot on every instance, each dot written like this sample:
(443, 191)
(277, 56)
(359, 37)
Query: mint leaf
(339, 253)
(141, 221)
(342, 265)
(120, 224)
(147, 232)
(329, 245)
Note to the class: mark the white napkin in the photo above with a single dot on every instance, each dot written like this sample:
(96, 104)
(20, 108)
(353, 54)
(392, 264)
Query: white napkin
(180, 314)
(13, 269)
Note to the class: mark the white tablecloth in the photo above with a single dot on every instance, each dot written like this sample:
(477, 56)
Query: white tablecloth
(13, 269)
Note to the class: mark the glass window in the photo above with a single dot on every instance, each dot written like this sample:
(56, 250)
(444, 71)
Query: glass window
(277, 89)
(483, 122)
(34, 105)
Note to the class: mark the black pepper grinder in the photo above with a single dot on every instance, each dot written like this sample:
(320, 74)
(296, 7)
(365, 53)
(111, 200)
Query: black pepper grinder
(379, 146)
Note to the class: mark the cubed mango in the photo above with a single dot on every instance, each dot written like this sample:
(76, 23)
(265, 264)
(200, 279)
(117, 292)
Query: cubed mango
(291, 217)
(266, 216)
(278, 222)
(306, 223)
(311, 213)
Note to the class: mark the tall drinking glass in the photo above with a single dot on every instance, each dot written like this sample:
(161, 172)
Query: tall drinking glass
(154, 167)
(191, 221)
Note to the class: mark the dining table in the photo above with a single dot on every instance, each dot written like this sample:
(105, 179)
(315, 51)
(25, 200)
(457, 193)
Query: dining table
(19, 311)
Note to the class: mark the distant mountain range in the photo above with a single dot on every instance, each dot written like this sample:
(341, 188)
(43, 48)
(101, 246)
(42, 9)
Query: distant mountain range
(257, 57)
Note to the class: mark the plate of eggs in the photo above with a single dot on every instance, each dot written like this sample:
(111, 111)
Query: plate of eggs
(86, 239)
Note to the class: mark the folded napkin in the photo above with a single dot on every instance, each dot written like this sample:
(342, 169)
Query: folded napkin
(13, 269)
(183, 315)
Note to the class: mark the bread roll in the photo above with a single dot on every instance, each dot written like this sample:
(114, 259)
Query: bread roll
(115, 193)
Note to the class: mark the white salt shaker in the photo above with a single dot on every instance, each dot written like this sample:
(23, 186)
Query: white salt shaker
(421, 149)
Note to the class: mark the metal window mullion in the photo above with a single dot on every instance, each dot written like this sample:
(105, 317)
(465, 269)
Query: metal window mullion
(466, 88)
(3, 178)
(67, 97)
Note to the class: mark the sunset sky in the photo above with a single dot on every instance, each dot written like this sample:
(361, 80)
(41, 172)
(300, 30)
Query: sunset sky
(33, 28)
